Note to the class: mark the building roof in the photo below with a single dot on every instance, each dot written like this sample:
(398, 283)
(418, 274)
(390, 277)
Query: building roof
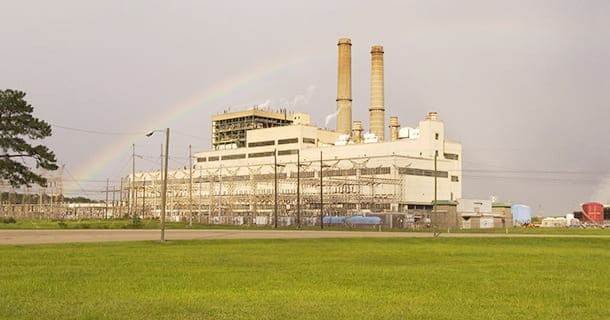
(253, 112)
(501, 205)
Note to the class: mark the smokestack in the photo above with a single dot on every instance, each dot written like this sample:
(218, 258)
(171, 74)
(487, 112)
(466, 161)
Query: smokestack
(394, 128)
(344, 87)
(357, 132)
(377, 109)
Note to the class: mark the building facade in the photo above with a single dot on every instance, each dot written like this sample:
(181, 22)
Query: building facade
(310, 168)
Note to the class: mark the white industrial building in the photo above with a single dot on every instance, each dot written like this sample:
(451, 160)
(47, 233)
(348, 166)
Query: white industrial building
(262, 161)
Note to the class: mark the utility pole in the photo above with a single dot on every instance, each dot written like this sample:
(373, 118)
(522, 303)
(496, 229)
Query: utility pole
(164, 190)
(321, 195)
(26, 201)
(106, 211)
(121, 199)
(143, 196)
(40, 201)
(113, 202)
(435, 183)
(298, 188)
(275, 188)
(160, 178)
(219, 191)
(132, 208)
(190, 187)
(200, 194)
(51, 197)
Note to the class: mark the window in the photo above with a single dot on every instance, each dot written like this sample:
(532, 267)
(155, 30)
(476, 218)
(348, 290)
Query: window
(455, 179)
(213, 158)
(422, 172)
(340, 172)
(202, 159)
(436, 136)
(261, 143)
(260, 154)
(234, 156)
(303, 174)
(309, 140)
(370, 171)
(451, 156)
(236, 178)
(286, 152)
(287, 141)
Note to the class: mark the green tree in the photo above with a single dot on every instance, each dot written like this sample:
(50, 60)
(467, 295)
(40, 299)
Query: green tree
(18, 130)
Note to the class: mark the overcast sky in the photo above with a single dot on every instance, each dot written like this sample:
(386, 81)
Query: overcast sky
(523, 85)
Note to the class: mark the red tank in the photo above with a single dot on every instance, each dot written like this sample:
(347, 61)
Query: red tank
(593, 212)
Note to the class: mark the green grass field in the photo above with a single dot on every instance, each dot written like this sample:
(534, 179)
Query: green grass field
(507, 278)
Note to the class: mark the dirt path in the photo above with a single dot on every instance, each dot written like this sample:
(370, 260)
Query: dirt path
(68, 236)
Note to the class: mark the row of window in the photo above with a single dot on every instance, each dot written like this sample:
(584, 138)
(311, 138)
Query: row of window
(250, 155)
(423, 172)
(280, 141)
(371, 171)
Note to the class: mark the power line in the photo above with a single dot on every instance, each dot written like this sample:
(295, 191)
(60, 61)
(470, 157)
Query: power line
(549, 179)
(109, 133)
(534, 171)
(74, 179)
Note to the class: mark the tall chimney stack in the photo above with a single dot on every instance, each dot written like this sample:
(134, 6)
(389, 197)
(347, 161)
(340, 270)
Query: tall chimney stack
(344, 87)
(394, 128)
(377, 109)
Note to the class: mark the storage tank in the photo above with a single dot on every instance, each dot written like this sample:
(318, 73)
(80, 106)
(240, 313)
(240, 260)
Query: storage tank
(522, 214)
(593, 212)
(334, 220)
(363, 220)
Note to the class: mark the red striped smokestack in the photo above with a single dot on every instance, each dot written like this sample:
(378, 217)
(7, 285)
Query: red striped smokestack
(344, 87)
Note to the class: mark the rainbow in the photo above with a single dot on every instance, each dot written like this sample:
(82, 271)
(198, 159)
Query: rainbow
(112, 152)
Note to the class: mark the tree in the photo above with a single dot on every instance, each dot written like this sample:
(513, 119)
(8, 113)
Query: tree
(18, 129)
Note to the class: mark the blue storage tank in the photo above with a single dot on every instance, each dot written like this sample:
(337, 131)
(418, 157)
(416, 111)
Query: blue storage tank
(363, 220)
(522, 214)
(334, 220)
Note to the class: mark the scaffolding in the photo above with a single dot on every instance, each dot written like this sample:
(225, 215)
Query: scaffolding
(229, 130)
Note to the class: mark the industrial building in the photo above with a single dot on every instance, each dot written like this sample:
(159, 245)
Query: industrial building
(265, 162)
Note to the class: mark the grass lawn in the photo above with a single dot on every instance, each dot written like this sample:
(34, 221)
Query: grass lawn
(495, 278)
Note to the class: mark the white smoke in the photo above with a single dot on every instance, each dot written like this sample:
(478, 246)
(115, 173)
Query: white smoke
(299, 99)
(602, 192)
(330, 117)
(265, 105)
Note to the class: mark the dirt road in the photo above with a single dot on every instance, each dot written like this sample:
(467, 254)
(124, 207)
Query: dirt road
(67, 236)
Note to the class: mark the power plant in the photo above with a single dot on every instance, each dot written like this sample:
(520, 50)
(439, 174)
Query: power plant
(274, 166)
